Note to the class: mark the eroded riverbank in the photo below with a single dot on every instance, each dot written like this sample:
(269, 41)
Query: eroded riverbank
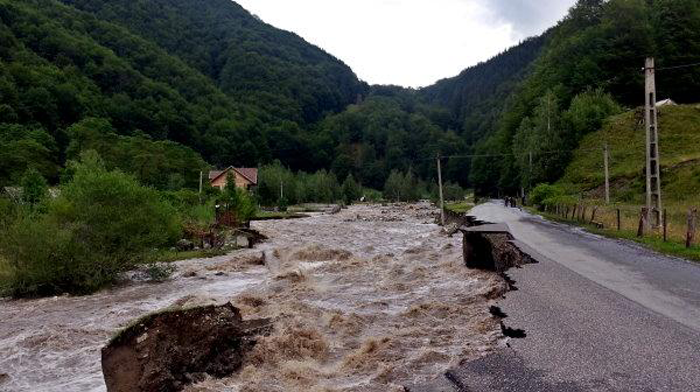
(365, 300)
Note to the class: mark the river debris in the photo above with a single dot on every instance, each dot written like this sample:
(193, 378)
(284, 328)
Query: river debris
(165, 351)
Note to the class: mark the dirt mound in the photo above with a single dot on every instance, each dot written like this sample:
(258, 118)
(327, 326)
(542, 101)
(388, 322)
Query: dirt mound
(166, 351)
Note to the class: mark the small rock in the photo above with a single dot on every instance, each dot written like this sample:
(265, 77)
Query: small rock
(184, 245)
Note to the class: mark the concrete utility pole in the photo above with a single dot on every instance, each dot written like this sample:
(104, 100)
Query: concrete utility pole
(442, 201)
(201, 174)
(606, 158)
(652, 142)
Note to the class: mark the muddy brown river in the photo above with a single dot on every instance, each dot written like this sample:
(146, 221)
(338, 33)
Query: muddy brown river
(369, 299)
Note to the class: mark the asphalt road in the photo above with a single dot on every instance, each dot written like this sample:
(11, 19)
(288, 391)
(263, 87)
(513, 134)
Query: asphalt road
(598, 314)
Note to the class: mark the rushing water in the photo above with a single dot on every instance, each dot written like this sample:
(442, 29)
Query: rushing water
(368, 299)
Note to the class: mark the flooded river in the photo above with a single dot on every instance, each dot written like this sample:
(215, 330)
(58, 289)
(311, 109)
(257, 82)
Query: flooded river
(365, 300)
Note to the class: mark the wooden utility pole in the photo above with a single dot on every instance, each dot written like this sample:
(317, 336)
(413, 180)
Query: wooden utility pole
(606, 159)
(653, 185)
(442, 201)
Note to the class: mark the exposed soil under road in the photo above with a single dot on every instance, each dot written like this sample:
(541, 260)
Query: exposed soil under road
(368, 299)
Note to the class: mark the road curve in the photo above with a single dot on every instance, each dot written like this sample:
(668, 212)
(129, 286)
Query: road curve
(598, 314)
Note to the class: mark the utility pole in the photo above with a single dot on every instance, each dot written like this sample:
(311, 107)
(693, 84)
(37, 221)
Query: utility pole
(606, 158)
(201, 174)
(442, 201)
(653, 185)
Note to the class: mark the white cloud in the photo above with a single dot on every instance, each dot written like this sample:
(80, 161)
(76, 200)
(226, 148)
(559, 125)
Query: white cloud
(409, 42)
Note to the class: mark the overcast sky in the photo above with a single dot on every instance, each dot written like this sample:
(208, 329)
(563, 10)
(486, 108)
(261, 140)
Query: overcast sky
(411, 43)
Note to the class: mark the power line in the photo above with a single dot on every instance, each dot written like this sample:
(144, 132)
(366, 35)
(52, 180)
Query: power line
(678, 67)
(501, 155)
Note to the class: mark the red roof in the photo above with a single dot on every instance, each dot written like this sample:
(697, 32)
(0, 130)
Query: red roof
(250, 173)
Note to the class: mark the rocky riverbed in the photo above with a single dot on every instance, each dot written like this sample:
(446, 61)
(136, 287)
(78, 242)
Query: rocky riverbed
(369, 299)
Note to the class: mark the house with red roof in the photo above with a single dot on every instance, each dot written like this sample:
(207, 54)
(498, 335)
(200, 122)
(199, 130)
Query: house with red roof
(244, 177)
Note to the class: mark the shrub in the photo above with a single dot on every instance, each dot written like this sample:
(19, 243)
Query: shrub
(34, 187)
(45, 259)
(113, 213)
(544, 192)
(102, 223)
(351, 190)
(372, 195)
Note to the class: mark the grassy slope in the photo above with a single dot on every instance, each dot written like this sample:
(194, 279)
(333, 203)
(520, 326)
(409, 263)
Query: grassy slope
(679, 134)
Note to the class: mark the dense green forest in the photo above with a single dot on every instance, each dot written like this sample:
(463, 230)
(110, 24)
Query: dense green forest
(176, 86)
(270, 69)
(60, 66)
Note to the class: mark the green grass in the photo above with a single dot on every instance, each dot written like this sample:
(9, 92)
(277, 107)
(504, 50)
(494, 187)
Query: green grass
(459, 207)
(679, 144)
(269, 215)
(673, 247)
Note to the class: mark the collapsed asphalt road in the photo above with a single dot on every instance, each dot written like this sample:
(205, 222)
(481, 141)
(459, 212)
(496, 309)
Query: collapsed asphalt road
(597, 315)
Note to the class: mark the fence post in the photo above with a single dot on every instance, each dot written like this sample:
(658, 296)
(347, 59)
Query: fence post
(619, 222)
(566, 214)
(690, 235)
(573, 213)
(642, 222)
(595, 209)
(583, 214)
(665, 226)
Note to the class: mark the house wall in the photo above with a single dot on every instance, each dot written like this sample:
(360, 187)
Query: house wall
(241, 182)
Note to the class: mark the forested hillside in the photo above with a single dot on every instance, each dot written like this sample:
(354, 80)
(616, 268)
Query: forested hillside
(190, 84)
(590, 67)
(476, 97)
(271, 69)
(60, 66)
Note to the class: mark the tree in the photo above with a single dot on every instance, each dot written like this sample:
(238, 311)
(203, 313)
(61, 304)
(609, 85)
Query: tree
(100, 225)
(586, 114)
(237, 201)
(538, 145)
(393, 188)
(34, 187)
(352, 191)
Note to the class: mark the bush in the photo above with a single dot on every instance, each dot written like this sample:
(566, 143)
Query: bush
(34, 187)
(102, 223)
(544, 192)
(372, 195)
(351, 190)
